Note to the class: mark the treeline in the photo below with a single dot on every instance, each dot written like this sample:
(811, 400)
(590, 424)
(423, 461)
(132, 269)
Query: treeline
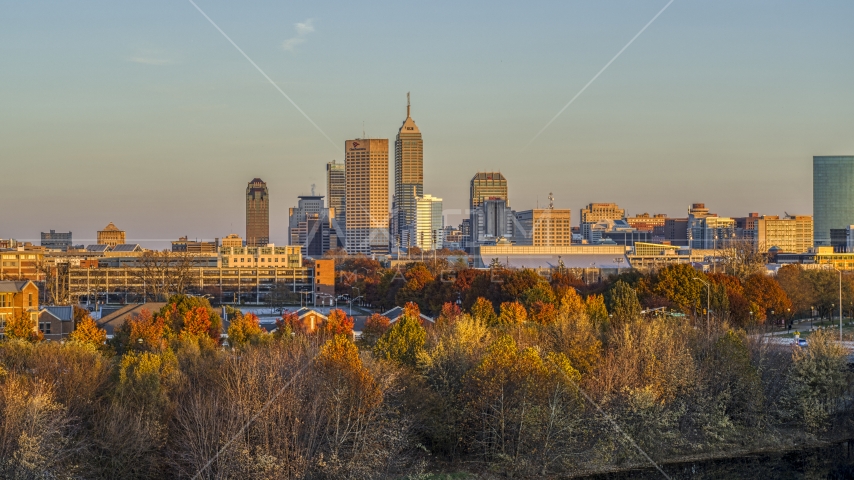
(521, 390)
(742, 295)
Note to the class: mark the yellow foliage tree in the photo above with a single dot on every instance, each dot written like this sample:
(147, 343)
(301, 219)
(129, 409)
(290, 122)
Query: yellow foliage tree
(23, 327)
(88, 332)
(512, 313)
(244, 330)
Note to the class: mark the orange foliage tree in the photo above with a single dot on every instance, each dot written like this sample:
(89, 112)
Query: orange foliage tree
(512, 313)
(337, 323)
(87, 331)
(197, 322)
(765, 294)
(375, 327)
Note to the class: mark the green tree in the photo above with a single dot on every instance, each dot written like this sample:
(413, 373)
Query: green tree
(623, 303)
(595, 308)
(678, 285)
(402, 342)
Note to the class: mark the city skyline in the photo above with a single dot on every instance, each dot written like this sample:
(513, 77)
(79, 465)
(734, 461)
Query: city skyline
(643, 135)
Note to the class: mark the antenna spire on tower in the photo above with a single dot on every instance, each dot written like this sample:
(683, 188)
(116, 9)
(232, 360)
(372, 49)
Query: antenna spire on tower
(407, 105)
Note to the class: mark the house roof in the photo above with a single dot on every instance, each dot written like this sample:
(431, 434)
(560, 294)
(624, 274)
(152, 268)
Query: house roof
(302, 312)
(8, 286)
(127, 247)
(48, 316)
(62, 312)
(99, 248)
(116, 319)
(395, 313)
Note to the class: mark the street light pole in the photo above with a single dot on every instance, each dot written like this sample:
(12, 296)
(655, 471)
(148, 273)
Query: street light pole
(708, 302)
(840, 302)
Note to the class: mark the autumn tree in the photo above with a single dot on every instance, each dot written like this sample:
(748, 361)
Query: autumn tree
(623, 303)
(543, 313)
(512, 313)
(766, 294)
(86, 331)
(402, 342)
(287, 325)
(337, 323)
(418, 277)
(375, 327)
(520, 405)
(245, 330)
(451, 312)
(483, 311)
(594, 305)
(678, 283)
(574, 334)
(22, 326)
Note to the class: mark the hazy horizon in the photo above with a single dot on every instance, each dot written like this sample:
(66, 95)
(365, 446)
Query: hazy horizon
(145, 115)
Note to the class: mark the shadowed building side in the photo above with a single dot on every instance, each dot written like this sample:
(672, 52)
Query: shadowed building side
(257, 214)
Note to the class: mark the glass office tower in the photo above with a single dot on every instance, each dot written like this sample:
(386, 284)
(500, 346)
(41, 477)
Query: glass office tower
(833, 195)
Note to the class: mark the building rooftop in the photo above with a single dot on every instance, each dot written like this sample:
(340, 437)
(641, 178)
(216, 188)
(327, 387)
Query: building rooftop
(8, 286)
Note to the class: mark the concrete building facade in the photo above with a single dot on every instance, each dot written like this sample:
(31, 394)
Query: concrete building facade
(596, 212)
(366, 173)
(791, 234)
(543, 227)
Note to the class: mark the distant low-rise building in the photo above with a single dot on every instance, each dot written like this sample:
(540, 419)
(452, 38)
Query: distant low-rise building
(56, 240)
(596, 212)
(543, 227)
(646, 222)
(184, 245)
(790, 234)
(111, 235)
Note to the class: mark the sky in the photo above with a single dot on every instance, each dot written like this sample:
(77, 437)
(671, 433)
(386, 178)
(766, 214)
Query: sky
(145, 115)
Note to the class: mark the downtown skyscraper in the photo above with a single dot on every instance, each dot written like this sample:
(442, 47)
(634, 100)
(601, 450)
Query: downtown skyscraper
(408, 174)
(336, 193)
(366, 196)
(257, 214)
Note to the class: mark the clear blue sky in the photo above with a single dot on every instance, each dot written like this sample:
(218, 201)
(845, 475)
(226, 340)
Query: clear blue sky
(142, 114)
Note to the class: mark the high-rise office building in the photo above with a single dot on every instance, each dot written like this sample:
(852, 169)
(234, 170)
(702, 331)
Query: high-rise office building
(257, 214)
(485, 186)
(336, 192)
(408, 173)
(111, 235)
(366, 174)
(309, 225)
(427, 229)
(596, 212)
(491, 221)
(833, 195)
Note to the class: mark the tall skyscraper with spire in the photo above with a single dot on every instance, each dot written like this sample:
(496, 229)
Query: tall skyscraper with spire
(257, 214)
(408, 174)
